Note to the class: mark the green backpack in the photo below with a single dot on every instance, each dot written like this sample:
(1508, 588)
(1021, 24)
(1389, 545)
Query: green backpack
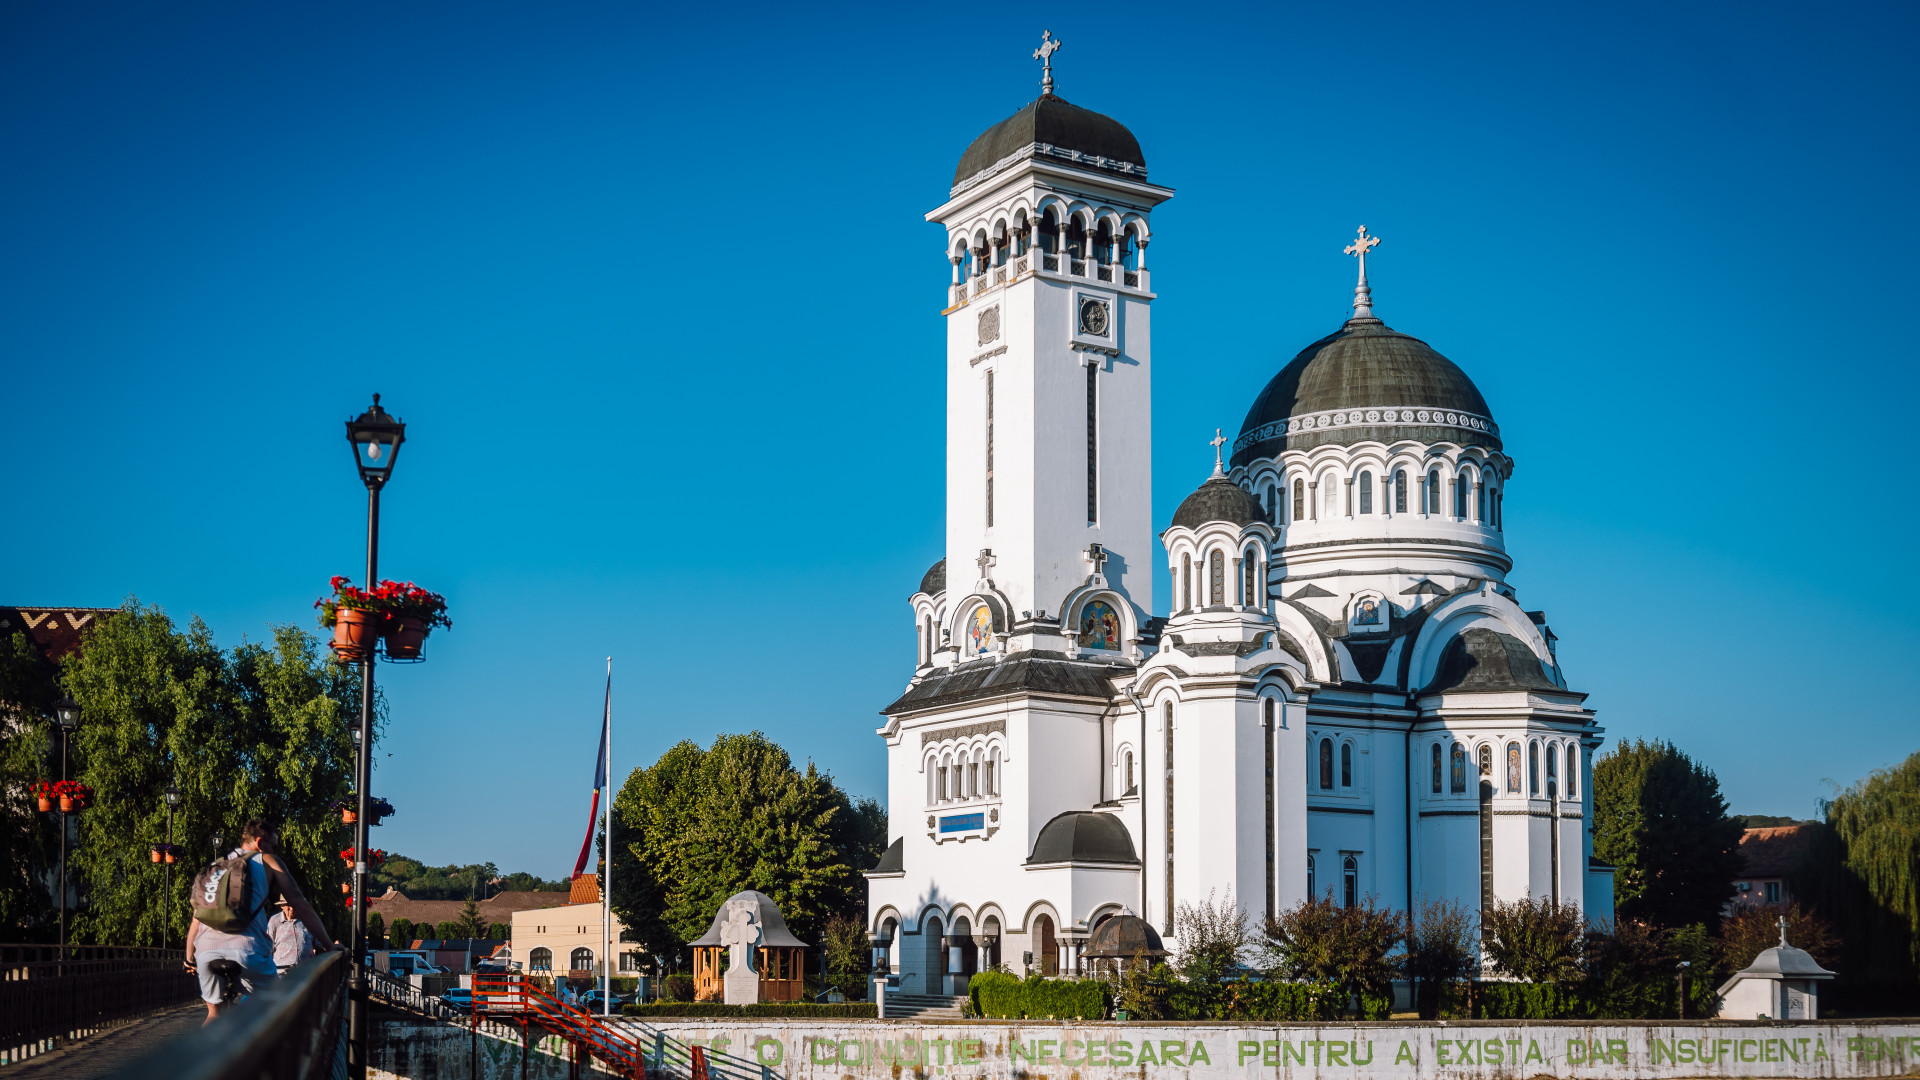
(220, 897)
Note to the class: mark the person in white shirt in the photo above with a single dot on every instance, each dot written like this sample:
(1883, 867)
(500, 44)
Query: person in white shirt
(292, 941)
(251, 947)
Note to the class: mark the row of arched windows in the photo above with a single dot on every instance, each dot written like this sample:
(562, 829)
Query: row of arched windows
(1467, 495)
(963, 775)
(1081, 236)
(1246, 581)
(1555, 754)
(1349, 879)
(541, 959)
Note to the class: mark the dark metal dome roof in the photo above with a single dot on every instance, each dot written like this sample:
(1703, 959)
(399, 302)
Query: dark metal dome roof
(1366, 383)
(934, 581)
(1219, 499)
(1483, 659)
(1123, 937)
(1054, 122)
(1083, 836)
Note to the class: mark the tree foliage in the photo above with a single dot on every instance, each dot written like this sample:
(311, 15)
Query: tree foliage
(1533, 940)
(1751, 930)
(29, 687)
(1863, 874)
(261, 730)
(1660, 820)
(1215, 939)
(1440, 953)
(1320, 941)
(702, 824)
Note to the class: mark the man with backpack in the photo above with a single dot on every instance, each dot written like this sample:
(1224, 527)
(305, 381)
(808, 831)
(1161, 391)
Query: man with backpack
(230, 915)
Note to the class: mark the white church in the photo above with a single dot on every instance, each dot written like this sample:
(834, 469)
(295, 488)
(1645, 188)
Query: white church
(1346, 699)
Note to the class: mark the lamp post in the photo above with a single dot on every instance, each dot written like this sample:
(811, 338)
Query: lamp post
(66, 716)
(375, 437)
(166, 891)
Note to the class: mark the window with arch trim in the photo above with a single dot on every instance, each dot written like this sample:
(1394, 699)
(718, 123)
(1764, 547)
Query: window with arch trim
(1273, 509)
(540, 960)
(1249, 571)
(1366, 492)
(1486, 761)
(580, 960)
(1533, 769)
(1459, 768)
(1399, 491)
(1573, 770)
(1513, 768)
(1553, 769)
(1326, 764)
(1127, 774)
(1346, 764)
(1216, 577)
(1433, 494)
(1460, 485)
(1299, 498)
(1350, 880)
(1186, 582)
(1436, 768)
(1310, 891)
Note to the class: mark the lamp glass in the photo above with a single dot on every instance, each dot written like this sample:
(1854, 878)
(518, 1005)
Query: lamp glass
(173, 794)
(67, 714)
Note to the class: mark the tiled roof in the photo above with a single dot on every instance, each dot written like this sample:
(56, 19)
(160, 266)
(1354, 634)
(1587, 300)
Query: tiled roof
(1776, 852)
(1021, 673)
(585, 890)
(497, 908)
(56, 630)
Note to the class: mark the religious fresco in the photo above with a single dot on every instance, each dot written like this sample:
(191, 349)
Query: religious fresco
(980, 630)
(1368, 613)
(1513, 767)
(1099, 626)
(1459, 769)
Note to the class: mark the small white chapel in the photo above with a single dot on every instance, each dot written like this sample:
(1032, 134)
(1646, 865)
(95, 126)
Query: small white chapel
(1346, 700)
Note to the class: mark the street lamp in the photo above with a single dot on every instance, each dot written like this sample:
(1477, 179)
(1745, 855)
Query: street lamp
(172, 795)
(66, 717)
(375, 438)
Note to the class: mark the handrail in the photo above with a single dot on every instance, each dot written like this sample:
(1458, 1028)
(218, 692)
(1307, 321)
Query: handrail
(50, 993)
(513, 998)
(290, 1030)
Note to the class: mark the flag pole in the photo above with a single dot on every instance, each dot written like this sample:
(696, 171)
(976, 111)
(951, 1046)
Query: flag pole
(606, 848)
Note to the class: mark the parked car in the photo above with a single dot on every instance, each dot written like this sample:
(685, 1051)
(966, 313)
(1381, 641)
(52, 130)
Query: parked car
(459, 999)
(590, 1001)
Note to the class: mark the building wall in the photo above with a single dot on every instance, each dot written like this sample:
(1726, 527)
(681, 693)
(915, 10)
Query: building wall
(562, 930)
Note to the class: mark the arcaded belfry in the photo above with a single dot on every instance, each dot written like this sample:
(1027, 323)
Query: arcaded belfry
(1347, 697)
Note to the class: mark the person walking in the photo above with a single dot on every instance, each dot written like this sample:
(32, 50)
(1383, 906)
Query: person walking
(248, 944)
(292, 941)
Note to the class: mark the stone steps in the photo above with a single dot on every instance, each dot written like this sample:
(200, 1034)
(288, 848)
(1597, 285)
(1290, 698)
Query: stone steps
(925, 1007)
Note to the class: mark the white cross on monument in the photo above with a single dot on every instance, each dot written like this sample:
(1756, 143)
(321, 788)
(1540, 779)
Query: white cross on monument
(1048, 46)
(986, 561)
(1362, 294)
(1217, 440)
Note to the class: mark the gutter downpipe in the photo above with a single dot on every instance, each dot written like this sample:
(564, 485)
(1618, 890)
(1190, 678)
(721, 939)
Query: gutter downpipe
(1406, 762)
(1141, 708)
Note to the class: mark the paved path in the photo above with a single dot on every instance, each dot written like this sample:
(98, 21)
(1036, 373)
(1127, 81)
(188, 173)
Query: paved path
(99, 1055)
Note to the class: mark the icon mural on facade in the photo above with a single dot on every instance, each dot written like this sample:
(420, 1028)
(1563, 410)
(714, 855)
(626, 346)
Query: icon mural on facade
(1368, 613)
(1513, 767)
(1099, 626)
(980, 630)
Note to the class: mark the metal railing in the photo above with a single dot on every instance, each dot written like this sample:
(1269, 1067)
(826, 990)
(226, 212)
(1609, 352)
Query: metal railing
(50, 994)
(515, 999)
(293, 1029)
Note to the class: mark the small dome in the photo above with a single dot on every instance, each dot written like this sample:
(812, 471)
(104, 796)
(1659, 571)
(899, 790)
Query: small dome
(1366, 383)
(1085, 136)
(892, 860)
(773, 926)
(934, 581)
(1123, 937)
(1488, 660)
(1219, 499)
(1083, 836)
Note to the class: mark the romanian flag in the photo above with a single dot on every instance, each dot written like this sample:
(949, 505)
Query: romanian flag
(599, 778)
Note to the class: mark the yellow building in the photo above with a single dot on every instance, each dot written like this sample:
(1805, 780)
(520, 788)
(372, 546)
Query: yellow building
(565, 942)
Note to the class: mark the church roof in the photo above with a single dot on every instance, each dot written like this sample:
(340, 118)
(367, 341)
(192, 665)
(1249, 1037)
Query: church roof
(1123, 937)
(934, 581)
(893, 860)
(1065, 130)
(1022, 673)
(1083, 836)
(1776, 851)
(773, 926)
(1219, 499)
(1365, 383)
(1481, 660)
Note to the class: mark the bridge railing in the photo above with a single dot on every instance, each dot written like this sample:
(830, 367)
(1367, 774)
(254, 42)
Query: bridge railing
(52, 993)
(293, 1029)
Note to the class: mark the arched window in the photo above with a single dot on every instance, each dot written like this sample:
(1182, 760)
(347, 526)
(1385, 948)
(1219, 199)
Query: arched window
(1459, 769)
(1330, 501)
(1128, 789)
(1433, 493)
(1486, 761)
(993, 773)
(1272, 510)
(1271, 710)
(1366, 493)
(1513, 768)
(1310, 874)
(1299, 499)
(1485, 518)
(1399, 491)
(926, 650)
(1533, 769)
(1553, 769)
(1573, 771)
(540, 960)
(1350, 880)
(1460, 484)
(943, 782)
(1436, 768)
(1216, 577)
(1099, 626)
(1326, 764)
(1249, 571)
(1346, 764)
(973, 780)
(580, 960)
(1186, 582)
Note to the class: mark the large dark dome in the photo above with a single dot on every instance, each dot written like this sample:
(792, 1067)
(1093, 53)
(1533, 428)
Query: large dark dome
(1367, 383)
(1072, 132)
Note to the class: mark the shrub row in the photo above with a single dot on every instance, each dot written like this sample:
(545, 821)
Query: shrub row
(1002, 996)
(1635, 1000)
(854, 1010)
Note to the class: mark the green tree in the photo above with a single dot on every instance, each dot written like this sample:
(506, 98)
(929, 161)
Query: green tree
(472, 923)
(1439, 953)
(29, 686)
(376, 931)
(1214, 939)
(450, 930)
(401, 935)
(499, 931)
(1863, 875)
(702, 824)
(1320, 941)
(261, 731)
(1660, 821)
(1533, 940)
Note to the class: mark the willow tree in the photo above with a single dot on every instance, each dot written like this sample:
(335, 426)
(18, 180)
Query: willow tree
(1863, 874)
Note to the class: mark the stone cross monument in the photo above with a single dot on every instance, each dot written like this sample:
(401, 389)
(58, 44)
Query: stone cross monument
(741, 934)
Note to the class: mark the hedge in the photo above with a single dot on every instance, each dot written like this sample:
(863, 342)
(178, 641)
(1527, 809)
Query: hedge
(854, 1010)
(1001, 996)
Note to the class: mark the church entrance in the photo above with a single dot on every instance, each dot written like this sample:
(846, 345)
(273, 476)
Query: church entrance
(934, 933)
(964, 955)
(1046, 951)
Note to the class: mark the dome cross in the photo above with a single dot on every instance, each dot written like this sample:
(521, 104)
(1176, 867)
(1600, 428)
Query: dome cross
(1362, 294)
(1217, 440)
(1048, 46)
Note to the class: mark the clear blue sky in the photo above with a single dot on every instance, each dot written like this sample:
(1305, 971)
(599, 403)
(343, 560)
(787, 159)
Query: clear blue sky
(650, 285)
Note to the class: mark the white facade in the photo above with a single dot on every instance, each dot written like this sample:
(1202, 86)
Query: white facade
(1347, 696)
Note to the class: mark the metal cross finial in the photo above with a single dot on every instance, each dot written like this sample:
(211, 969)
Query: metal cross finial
(1783, 930)
(1048, 46)
(1217, 440)
(1362, 294)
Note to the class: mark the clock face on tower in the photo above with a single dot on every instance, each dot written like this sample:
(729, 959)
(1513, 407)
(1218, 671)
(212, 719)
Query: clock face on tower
(1093, 318)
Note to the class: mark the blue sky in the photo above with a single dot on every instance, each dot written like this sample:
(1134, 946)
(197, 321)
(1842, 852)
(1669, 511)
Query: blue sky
(651, 287)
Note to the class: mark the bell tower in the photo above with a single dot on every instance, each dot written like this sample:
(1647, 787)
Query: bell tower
(1049, 372)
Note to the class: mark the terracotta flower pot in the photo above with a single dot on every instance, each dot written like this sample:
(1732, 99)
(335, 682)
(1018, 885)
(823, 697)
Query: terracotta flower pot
(46, 803)
(155, 852)
(353, 634)
(348, 817)
(405, 636)
(66, 803)
(346, 887)
(167, 856)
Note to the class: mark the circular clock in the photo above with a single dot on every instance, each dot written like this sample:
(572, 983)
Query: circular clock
(1093, 318)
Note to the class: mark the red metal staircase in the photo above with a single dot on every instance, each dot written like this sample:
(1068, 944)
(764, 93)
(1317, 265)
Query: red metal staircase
(515, 999)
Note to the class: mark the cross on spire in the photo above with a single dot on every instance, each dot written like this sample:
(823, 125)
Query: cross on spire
(1362, 294)
(1048, 46)
(1217, 441)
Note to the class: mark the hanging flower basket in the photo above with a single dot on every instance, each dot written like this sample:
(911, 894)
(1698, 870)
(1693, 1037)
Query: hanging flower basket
(374, 856)
(169, 854)
(42, 794)
(355, 616)
(378, 810)
(348, 814)
(155, 852)
(73, 795)
(346, 887)
(412, 614)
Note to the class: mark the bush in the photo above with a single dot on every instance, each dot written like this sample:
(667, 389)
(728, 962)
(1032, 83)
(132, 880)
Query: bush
(852, 1010)
(1319, 941)
(1001, 996)
(677, 988)
(1535, 941)
(1285, 1002)
(1526, 1001)
(1440, 955)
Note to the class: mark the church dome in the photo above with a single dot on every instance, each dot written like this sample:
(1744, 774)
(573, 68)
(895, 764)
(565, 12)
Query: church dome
(1366, 383)
(934, 581)
(1083, 836)
(1219, 499)
(1067, 130)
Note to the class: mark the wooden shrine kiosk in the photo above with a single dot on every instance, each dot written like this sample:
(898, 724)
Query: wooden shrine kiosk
(749, 924)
